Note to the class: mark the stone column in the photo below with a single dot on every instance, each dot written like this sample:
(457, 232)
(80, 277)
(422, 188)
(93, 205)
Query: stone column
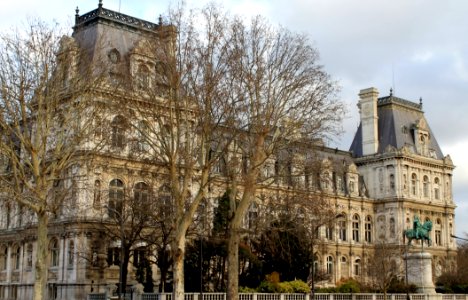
(420, 271)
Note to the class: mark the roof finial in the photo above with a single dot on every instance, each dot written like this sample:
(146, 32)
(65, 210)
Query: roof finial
(77, 15)
(391, 91)
(420, 102)
(100, 3)
(160, 20)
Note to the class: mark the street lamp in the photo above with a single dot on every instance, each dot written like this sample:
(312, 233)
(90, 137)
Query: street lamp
(458, 238)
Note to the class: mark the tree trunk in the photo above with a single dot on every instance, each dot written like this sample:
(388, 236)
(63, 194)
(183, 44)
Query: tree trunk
(124, 270)
(40, 280)
(178, 267)
(233, 263)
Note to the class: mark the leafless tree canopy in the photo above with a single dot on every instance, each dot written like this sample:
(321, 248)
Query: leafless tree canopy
(42, 107)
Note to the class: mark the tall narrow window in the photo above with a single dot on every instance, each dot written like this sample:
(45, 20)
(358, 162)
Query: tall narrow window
(414, 184)
(436, 188)
(15, 257)
(71, 253)
(342, 228)
(118, 128)
(54, 253)
(3, 257)
(97, 193)
(368, 229)
(426, 186)
(29, 256)
(438, 238)
(116, 198)
(328, 232)
(392, 227)
(143, 77)
(392, 182)
(329, 265)
(356, 228)
(142, 203)
(143, 136)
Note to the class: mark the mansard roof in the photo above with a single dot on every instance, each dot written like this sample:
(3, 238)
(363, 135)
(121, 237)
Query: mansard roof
(397, 120)
(108, 16)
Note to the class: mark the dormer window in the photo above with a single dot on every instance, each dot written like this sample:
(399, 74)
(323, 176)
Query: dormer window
(143, 77)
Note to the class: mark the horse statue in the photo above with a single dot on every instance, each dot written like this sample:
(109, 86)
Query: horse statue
(419, 232)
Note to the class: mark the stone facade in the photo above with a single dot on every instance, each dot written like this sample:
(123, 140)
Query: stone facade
(393, 171)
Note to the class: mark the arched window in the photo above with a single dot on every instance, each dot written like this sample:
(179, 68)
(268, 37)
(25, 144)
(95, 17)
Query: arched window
(368, 229)
(414, 184)
(426, 186)
(436, 188)
(356, 228)
(3, 257)
(142, 203)
(118, 128)
(357, 267)
(344, 267)
(116, 198)
(97, 193)
(71, 253)
(54, 253)
(438, 233)
(143, 77)
(316, 264)
(329, 265)
(29, 256)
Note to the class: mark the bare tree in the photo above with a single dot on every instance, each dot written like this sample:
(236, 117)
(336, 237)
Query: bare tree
(185, 113)
(284, 96)
(45, 116)
(384, 265)
(129, 218)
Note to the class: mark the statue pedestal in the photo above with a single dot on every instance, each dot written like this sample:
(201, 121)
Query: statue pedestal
(419, 268)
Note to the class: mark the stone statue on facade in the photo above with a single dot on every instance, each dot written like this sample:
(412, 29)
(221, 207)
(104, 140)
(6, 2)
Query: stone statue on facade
(419, 232)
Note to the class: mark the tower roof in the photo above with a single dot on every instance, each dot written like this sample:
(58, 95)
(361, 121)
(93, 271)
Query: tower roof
(397, 120)
(102, 14)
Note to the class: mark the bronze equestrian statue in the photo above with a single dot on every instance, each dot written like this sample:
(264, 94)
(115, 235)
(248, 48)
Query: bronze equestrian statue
(419, 232)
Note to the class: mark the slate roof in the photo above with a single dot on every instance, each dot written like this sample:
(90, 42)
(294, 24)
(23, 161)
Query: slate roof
(397, 118)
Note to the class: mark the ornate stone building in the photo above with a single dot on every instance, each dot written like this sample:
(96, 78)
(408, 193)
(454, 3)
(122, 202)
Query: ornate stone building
(393, 171)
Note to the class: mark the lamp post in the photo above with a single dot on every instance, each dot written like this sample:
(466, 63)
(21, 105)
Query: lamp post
(458, 238)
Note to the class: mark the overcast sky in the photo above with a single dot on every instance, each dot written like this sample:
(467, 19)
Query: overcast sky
(418, 47)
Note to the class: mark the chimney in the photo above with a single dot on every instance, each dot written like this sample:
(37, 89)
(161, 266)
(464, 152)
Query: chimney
(369, 120)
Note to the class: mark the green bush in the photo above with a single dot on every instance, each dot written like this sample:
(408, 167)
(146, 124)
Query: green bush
(246, 289)
(296, 286)
(285, 287)
(299, 286)
(268, 287)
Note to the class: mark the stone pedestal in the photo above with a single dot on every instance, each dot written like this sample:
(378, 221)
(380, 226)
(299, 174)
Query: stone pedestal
(420, 271)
